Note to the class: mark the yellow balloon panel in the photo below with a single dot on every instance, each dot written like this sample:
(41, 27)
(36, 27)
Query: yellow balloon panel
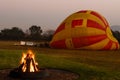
(85, 29)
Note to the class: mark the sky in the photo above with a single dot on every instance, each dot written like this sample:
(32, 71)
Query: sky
(50, 13)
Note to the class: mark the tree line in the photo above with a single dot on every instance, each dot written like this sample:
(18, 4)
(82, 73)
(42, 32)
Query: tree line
(34, 33)
(116, 34)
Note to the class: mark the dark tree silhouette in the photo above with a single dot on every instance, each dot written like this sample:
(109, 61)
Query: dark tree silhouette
(12, 34)
(47, 35)
(116, 34)
(35, 32)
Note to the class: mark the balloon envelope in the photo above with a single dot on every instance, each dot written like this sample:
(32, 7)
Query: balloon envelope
(85, 29)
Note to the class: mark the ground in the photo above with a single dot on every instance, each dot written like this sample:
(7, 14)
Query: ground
(52, 74)
(90, 65)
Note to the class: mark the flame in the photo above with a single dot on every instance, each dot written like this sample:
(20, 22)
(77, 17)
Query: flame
(28, 62)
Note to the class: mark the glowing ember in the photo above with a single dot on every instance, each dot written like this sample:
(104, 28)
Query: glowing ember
(28, 63)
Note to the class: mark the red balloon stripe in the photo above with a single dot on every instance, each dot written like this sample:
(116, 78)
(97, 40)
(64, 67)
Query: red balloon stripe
(60, 28)
(77, 23)
(94, 24)
(98, 15)
(82, 11)
(59, 44)
(87, 40)
(117, 45)
(108, 46)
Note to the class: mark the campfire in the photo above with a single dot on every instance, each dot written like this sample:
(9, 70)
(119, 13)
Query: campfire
(28, 68)
(28, 63)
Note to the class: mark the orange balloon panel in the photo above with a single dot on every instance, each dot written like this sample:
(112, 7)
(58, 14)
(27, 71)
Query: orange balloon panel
(84, 30)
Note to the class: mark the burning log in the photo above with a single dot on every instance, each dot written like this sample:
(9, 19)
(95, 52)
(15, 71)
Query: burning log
(28, 67)
(28, 63)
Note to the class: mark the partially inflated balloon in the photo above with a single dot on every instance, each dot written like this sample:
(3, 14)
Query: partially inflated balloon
(84, 30)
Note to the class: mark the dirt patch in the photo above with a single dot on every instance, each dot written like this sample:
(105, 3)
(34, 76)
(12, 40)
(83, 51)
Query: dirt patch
(54, 74)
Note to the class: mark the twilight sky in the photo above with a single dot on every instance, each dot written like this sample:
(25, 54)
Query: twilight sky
(50, 13)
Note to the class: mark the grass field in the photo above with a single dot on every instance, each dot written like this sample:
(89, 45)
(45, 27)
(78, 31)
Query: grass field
(90, 65)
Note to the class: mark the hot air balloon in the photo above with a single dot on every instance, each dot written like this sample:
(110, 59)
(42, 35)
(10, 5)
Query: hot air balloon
(84, 29)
